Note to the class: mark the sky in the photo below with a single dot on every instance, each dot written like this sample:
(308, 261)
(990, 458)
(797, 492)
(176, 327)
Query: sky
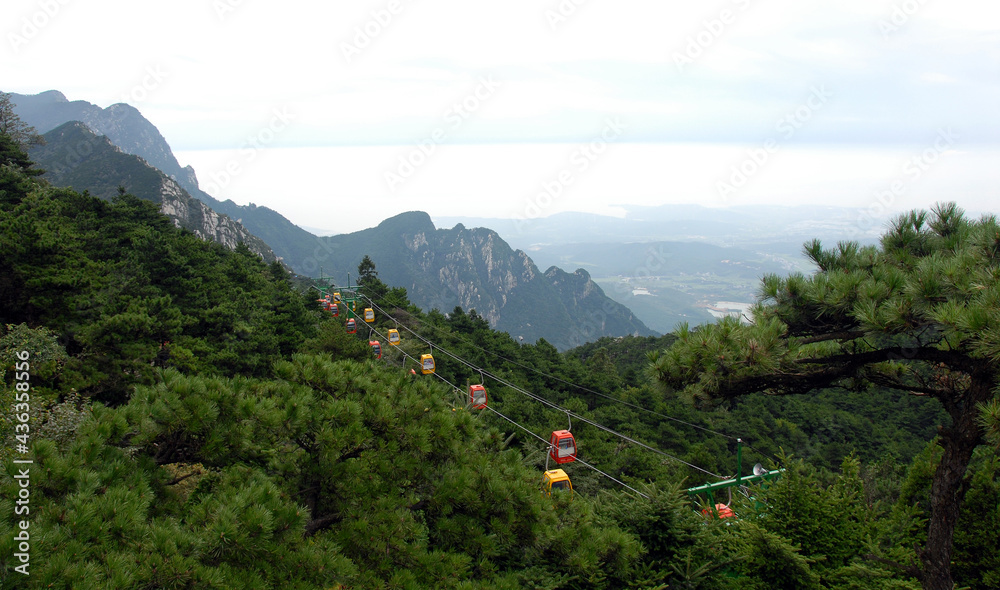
(340, 114)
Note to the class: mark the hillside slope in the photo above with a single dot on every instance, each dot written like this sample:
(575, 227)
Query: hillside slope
(476, 269)
(73, 156)
(134, 134)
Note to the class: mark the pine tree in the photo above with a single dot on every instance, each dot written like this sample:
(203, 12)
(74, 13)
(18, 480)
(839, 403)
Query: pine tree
(919, 313)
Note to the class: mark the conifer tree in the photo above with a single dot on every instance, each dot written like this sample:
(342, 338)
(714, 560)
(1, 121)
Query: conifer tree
(919, 313)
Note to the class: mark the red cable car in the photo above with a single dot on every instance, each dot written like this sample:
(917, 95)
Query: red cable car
(334, 309)
(562, 446)
(376, 348)
(477, 397)
(352, 326)
(722, 510)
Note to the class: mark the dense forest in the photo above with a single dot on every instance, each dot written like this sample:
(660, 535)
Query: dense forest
(197, 419)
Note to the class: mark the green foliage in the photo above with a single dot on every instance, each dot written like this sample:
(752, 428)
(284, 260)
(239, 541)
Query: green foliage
(126, 291)
(919, 314)
(222, 459)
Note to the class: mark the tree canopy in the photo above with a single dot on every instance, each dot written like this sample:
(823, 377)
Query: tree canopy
(918, 313)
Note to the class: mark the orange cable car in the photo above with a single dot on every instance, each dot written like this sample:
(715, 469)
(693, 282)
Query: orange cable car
(369, 315)
(722, 510)
(477, 396)
(352, 326)
(376, 348)
(393, 336)
(426, 364)
(556, 479)
(562, 446)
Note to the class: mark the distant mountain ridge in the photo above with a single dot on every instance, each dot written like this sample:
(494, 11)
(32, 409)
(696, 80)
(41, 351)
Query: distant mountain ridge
(134, 134)
(440, 268)
(73, 156)
(476, 269)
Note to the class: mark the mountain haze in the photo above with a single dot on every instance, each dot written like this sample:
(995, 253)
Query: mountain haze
(134, 134)
(476, 269)
(73, 156)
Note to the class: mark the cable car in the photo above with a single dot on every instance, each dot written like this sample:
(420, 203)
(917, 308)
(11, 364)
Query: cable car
(334, 309)
(369, 315)
(393, 336)
(723, 511)
(376, 348)
(352, 326)
(336, 296)
(477, 397)
(556, 479)
(426, 364)
(562, 446)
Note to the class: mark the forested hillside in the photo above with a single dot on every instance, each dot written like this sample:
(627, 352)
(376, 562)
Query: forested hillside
(198, 422)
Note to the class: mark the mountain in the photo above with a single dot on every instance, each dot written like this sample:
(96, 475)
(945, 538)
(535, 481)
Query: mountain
(678, 263)
(476, 269)
(134, 134)
(73, 156)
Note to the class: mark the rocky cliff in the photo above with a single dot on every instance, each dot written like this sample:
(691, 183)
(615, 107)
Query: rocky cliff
(476, 269)
(134, 134)
(73, 156)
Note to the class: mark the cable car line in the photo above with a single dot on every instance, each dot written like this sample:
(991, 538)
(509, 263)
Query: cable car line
(548, 444)
(578, 460)
(553, 377)
(552, 404)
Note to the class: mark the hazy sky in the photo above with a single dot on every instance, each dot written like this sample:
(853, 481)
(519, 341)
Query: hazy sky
(339, 114)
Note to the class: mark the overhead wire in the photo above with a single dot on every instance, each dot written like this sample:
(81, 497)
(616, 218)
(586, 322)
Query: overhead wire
(565, 382)
(544, 401)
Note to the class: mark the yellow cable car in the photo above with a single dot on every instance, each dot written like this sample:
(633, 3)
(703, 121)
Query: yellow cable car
(556, 479)
(393, 336)
(426, 364)
(369, 315)
(336, 296)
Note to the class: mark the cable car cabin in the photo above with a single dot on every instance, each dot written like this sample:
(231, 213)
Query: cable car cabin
(336, 296)
(369, 315)
(723, 511)
(376, 348)
(334, 309)
(426, 364)
(477, 397)
(352, 326)
(394, 337)
(556, 479)
(562, 447)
